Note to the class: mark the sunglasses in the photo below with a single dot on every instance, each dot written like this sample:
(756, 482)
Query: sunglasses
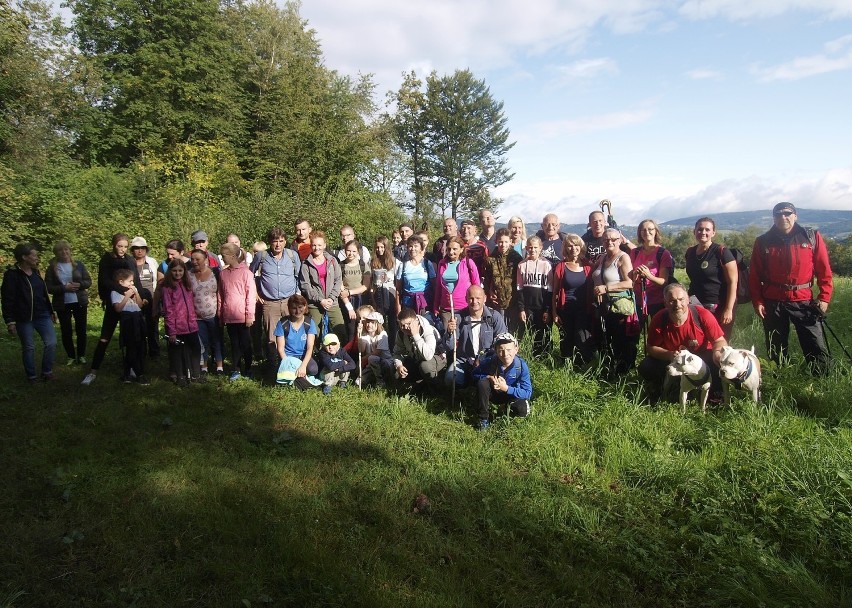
(784, 213)
(613, 240)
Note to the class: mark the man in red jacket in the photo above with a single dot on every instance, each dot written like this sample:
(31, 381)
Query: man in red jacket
(784, 262)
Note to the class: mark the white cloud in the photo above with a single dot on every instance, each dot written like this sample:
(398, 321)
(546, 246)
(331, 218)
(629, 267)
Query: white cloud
(837, 56)
(599, 122)
(739, 10)
(704, 74)
(586, 69)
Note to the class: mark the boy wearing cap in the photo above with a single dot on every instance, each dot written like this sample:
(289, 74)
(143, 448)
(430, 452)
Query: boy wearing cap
(335, 364)
(784, 263)
(503, 379)
(200, 241)
(146, 266)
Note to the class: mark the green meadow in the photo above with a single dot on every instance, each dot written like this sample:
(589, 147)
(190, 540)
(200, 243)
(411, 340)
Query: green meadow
(246, 494)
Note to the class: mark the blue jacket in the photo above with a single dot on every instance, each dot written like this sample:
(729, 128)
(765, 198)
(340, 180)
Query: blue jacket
(517, 375)
(491, 325)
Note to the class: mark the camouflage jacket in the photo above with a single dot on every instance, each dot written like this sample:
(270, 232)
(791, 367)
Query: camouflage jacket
(499, 279)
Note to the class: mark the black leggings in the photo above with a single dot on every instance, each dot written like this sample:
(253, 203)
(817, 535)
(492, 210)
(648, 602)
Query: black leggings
(241, 349)
(111, 318)
(77, 313)
(185, 358)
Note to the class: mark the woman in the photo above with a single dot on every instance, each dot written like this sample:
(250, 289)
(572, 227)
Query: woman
(68, 281)
(296, 335)
(236, 299)
(712, 272)
(653, 266)
(146, 268)
(572, 302)
(26, 308)
(612, 290)
(111, 261)
(456, 272)
(204, 288)
(518, 232)
(383, 284)
(355, 276)
(321, 281)
(415, 279)
(174, 249)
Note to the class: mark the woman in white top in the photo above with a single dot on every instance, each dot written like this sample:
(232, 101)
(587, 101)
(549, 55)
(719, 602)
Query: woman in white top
(383, 285)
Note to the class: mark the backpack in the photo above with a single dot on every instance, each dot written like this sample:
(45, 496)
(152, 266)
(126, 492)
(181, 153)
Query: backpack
(660, 250)
(743, 292)
(696, 318)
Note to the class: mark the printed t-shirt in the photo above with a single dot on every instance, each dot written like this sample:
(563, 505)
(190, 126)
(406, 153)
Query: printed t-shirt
(296, 340)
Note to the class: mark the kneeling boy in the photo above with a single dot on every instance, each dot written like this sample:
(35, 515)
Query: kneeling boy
(335, 364)
(503, 379)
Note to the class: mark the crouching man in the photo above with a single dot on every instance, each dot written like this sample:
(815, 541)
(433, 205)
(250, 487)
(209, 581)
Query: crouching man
(681, 326)
(470, 335)
(503, 379)
(415, 354)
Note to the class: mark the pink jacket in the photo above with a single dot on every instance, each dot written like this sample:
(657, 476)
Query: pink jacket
(468, 275)
(178, 310)
(237, 295)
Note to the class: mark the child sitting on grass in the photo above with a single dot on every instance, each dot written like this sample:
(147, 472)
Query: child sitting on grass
(374, 347)
(335, 364)
(503, 379)
(132, 327)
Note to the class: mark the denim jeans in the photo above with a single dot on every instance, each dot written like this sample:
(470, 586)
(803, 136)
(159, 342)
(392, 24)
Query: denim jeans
(211, 339)
(44, 327)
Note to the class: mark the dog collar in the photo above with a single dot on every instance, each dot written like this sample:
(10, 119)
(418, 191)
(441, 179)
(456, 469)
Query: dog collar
(704, 379)
(741, 378)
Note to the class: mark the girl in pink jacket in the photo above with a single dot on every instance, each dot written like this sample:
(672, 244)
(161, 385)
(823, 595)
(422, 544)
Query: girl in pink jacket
(236, 299)
(181, 324)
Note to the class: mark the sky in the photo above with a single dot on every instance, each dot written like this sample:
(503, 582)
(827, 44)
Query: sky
(669, 108)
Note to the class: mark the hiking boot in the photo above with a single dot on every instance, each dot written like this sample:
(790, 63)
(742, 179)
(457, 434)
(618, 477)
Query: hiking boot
(234, 376)
(483, 424)
(81, 360)
(90, 377)
(326, 390)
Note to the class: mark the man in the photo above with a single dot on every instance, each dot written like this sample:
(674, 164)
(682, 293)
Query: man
(471, 336)
(277, 272)
(400, 252)
(146, 266)
(450, 229)
(347, 234)
(784, 262)
(475, 248)
(595, 240)
(302, 242)
(235, 239)
(681, 327)
(200, 241)
(503, 379)
(551, 239)
(486, 225)
(415, 354)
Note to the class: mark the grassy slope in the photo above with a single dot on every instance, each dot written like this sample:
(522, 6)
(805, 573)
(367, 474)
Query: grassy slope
(233, 494)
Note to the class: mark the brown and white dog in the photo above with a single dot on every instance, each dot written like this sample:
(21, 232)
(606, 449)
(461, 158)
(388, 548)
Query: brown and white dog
(740, 369)
(693, 373)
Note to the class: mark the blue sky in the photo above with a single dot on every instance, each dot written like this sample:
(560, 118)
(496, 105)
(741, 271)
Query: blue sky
(668, 108)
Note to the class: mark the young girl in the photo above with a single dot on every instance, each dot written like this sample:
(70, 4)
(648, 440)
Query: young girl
(356, 282)
(383, 285)
(321, 282)
(535, 282)
(456, 272)
(111, 262)
(236, 301)
(374, 348)
(204, 289)
(181, 324)
(127, 304)
(296, 335)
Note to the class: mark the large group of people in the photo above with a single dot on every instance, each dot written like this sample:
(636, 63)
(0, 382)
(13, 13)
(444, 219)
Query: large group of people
(450, 314)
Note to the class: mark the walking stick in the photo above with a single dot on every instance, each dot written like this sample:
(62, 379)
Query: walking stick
(455, 352)
(358, 346)
(823, 320)
(610, 219)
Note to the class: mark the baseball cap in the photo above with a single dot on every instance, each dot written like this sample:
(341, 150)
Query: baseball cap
(505, 338)
(783, 207)
(330, 339)
(138, 242)
(199, 235)
(374, 316)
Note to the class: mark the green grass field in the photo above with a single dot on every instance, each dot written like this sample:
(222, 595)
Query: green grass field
(244, 495)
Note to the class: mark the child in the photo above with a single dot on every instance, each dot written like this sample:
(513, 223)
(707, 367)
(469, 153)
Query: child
(503, 379)
(132, 326)
(501, 268)
(374, 347)
(295, 336)
(335, 364)
(181, 323)
(236, 300)
(535, 282)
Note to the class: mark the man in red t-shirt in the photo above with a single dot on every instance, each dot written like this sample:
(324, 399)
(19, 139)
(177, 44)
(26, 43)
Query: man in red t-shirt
(681, 327)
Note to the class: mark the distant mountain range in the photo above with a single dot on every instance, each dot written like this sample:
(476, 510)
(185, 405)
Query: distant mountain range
(832, 224)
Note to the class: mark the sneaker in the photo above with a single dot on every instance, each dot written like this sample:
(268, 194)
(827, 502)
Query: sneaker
(70, 362)
(483, 424)
(49, 377)
(234, 376)
(344, 384)
(219, 371)
(90, 377)
(326, 390)
(81, 360)
(143, 381)
(182, 382)
(127, 379)
(132, 374)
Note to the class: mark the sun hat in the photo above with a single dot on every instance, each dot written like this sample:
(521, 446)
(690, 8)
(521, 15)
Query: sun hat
(138, 242)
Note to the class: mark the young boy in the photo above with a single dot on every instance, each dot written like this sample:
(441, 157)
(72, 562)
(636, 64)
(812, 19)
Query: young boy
(503, 379)
(335, 364)
(501, 268)
(535, 284)
(132, 326)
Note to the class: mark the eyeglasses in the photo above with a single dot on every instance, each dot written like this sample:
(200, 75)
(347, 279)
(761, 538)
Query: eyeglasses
(613, 240)
(784, 213)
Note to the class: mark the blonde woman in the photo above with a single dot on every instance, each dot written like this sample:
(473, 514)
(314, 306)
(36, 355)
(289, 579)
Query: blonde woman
(518, 234)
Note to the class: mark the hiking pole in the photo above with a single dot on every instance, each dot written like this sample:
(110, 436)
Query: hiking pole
(644, 287)
(610, 219)
(455, 351)
(823, 320)
(358, 346)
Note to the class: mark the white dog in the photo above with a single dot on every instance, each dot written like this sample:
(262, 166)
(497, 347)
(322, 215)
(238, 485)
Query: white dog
(741, 369)
(694, 374)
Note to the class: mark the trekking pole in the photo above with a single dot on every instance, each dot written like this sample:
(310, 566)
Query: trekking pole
(644, 287)
(823, 320)
(610, 218)
(455, 352)
(358, 346)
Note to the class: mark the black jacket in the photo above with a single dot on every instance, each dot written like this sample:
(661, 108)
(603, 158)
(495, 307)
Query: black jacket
(17, 294)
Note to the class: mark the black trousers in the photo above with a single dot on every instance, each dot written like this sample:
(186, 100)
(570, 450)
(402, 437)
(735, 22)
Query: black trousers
(575, 336)
(805, 318)
(76, 315)
(185, 358)
(486, 395)
(241, 350)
